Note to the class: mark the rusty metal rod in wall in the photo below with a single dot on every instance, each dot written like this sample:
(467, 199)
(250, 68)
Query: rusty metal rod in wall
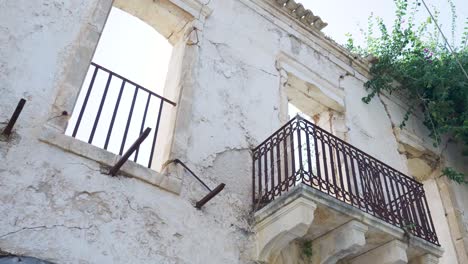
(210, 196)
(207, 197)
(14, 117)
(113, 171)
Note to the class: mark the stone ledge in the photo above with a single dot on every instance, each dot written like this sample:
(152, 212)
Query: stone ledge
(393, 252)
(281, 202)
(417, 246)
(129, 169)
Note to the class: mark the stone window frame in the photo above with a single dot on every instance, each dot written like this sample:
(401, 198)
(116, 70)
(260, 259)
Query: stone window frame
(72, 77)
(287, 64)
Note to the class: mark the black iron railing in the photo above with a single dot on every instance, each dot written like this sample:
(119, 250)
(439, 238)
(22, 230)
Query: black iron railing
(302, 153)
(113, 111)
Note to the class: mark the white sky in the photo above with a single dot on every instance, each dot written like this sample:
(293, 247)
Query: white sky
(132, 48)
(345, 16)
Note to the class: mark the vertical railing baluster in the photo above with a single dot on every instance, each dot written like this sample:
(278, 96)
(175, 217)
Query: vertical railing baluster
(332, 166)
(413, 209)
(317, 158)
(278, 158)
(408, 216)
(394, 197)
(265, 161)
(114, 114)
(101, 105)
(347, 174)
(272, 169)
(142, 124)
(421, 213)
(363, 180)
(129, 120)
(155, 137)
(309, 159)
(260, 190)
(299, 146)
(286, 160)
(404, 215)
(379, 195)
(325, 165)
(430, 219)
(379, 191)
(389, 199)
(293, 153)
(340, 172)
(357, 194)
(85, 102)
(253, 180)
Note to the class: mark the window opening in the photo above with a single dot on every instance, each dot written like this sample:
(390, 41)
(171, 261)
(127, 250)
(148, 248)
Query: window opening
(308, 145)
(122, 93)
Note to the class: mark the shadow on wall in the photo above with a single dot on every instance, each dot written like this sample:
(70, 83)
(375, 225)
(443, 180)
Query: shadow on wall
(22, 260)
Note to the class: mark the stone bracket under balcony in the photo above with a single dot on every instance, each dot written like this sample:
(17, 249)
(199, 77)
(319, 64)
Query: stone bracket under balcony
(282, 223)
(336, 232)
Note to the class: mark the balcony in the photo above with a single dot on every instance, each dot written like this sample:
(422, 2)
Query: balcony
(341, 180)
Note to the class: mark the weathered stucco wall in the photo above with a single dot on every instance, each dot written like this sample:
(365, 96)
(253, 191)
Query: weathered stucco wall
(59, 207)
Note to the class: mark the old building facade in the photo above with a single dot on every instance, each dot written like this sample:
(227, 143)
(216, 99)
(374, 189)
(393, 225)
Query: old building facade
(235, 67)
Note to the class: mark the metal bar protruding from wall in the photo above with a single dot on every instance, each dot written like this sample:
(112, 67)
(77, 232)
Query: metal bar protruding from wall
(113, 171)
(210, 196)
(178, 161)
(14, 117)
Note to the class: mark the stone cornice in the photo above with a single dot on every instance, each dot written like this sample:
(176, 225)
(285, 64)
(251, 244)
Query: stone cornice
(298, 12)
(281, 16)
(194, 7)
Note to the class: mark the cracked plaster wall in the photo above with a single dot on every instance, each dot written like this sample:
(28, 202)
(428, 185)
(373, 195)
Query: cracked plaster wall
(236, 76)
(425, 161)
(55, 205)
(58, 206)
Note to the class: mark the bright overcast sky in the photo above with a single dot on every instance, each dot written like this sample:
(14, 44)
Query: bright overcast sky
(345, 16)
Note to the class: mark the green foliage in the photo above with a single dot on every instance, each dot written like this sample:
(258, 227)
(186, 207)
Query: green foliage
(415, 61)
(307, 249)
(409, 226)
(454, 175)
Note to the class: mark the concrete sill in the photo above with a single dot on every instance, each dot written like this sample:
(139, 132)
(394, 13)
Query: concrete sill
(129, 169)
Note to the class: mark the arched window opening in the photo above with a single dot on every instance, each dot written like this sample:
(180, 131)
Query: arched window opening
(123, 92)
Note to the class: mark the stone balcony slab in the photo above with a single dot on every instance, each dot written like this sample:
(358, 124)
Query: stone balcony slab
(286, 216)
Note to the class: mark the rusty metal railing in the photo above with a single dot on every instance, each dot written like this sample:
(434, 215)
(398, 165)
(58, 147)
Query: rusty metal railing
(302, 153)
(116, 110)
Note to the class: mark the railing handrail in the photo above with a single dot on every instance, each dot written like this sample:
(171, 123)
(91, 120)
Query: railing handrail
(298, 118)
(133, 83)
(274, 134)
